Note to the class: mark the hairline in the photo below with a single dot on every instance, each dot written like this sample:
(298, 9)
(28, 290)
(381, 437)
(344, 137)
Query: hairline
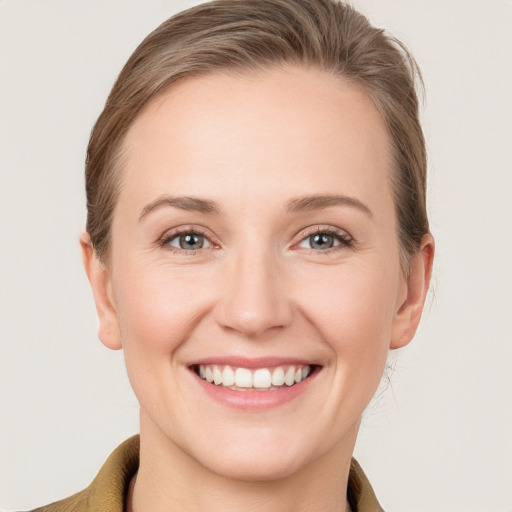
(241, 71)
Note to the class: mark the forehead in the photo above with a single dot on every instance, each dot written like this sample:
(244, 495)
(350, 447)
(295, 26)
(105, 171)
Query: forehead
(223, 133)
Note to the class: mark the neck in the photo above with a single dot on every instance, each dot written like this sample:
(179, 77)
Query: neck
(169, 479)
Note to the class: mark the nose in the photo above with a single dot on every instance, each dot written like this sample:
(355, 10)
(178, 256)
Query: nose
(254, 298)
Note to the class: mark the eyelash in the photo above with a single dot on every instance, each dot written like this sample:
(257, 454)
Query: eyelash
(344, 239)
(166, 240)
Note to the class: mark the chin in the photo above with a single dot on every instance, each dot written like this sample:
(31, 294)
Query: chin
(267, 465)
(262, 454)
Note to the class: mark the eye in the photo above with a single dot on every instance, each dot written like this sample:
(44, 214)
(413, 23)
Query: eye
(187, 241)
(325, 239)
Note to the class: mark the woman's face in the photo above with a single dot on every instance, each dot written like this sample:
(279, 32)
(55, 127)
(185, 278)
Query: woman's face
(255, 241)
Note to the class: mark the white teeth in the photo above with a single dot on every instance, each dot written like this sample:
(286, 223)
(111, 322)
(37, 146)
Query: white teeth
(228, 376)
(243, 378)
(217, 376)
(289, 378)
(278, 377)
(261, 378)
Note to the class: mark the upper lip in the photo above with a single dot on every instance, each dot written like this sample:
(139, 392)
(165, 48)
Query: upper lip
(252, 363)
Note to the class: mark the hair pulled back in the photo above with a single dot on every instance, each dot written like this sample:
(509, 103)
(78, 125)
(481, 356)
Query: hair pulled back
(244, 35)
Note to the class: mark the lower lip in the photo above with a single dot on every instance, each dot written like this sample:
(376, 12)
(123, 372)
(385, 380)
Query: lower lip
(254, 400)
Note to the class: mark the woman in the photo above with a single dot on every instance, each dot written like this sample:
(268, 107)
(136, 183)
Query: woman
(256, 243)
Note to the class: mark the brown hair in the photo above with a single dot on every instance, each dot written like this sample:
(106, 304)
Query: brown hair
(256, 34)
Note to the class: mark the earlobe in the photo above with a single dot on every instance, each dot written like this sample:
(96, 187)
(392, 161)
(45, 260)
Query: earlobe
(99, 278)
(408, 316)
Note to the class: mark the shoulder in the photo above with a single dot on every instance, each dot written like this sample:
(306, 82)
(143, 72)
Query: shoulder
(77, 503)
(108, 490)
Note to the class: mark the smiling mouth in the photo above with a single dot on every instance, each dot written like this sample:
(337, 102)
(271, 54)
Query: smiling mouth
(257, 379)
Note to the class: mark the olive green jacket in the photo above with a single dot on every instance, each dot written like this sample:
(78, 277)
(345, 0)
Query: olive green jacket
(107, 492)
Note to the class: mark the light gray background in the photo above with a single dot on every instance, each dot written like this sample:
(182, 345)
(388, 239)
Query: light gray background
(439, 439)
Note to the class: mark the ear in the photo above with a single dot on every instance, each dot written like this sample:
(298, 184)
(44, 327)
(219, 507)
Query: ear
(408, 315)
(100, 280)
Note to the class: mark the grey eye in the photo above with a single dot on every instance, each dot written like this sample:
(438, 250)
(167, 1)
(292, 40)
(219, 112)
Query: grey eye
(189, 242)
(320, 242)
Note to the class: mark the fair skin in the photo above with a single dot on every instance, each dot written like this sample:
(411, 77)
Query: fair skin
(291, 259)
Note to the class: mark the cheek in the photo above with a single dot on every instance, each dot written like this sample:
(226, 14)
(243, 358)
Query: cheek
(157, 311)
(353, 308)
(157, 308)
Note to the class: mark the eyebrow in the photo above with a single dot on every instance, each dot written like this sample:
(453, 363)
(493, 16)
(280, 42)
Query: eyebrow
(317, 202)
(306, 203)
(188, 203)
